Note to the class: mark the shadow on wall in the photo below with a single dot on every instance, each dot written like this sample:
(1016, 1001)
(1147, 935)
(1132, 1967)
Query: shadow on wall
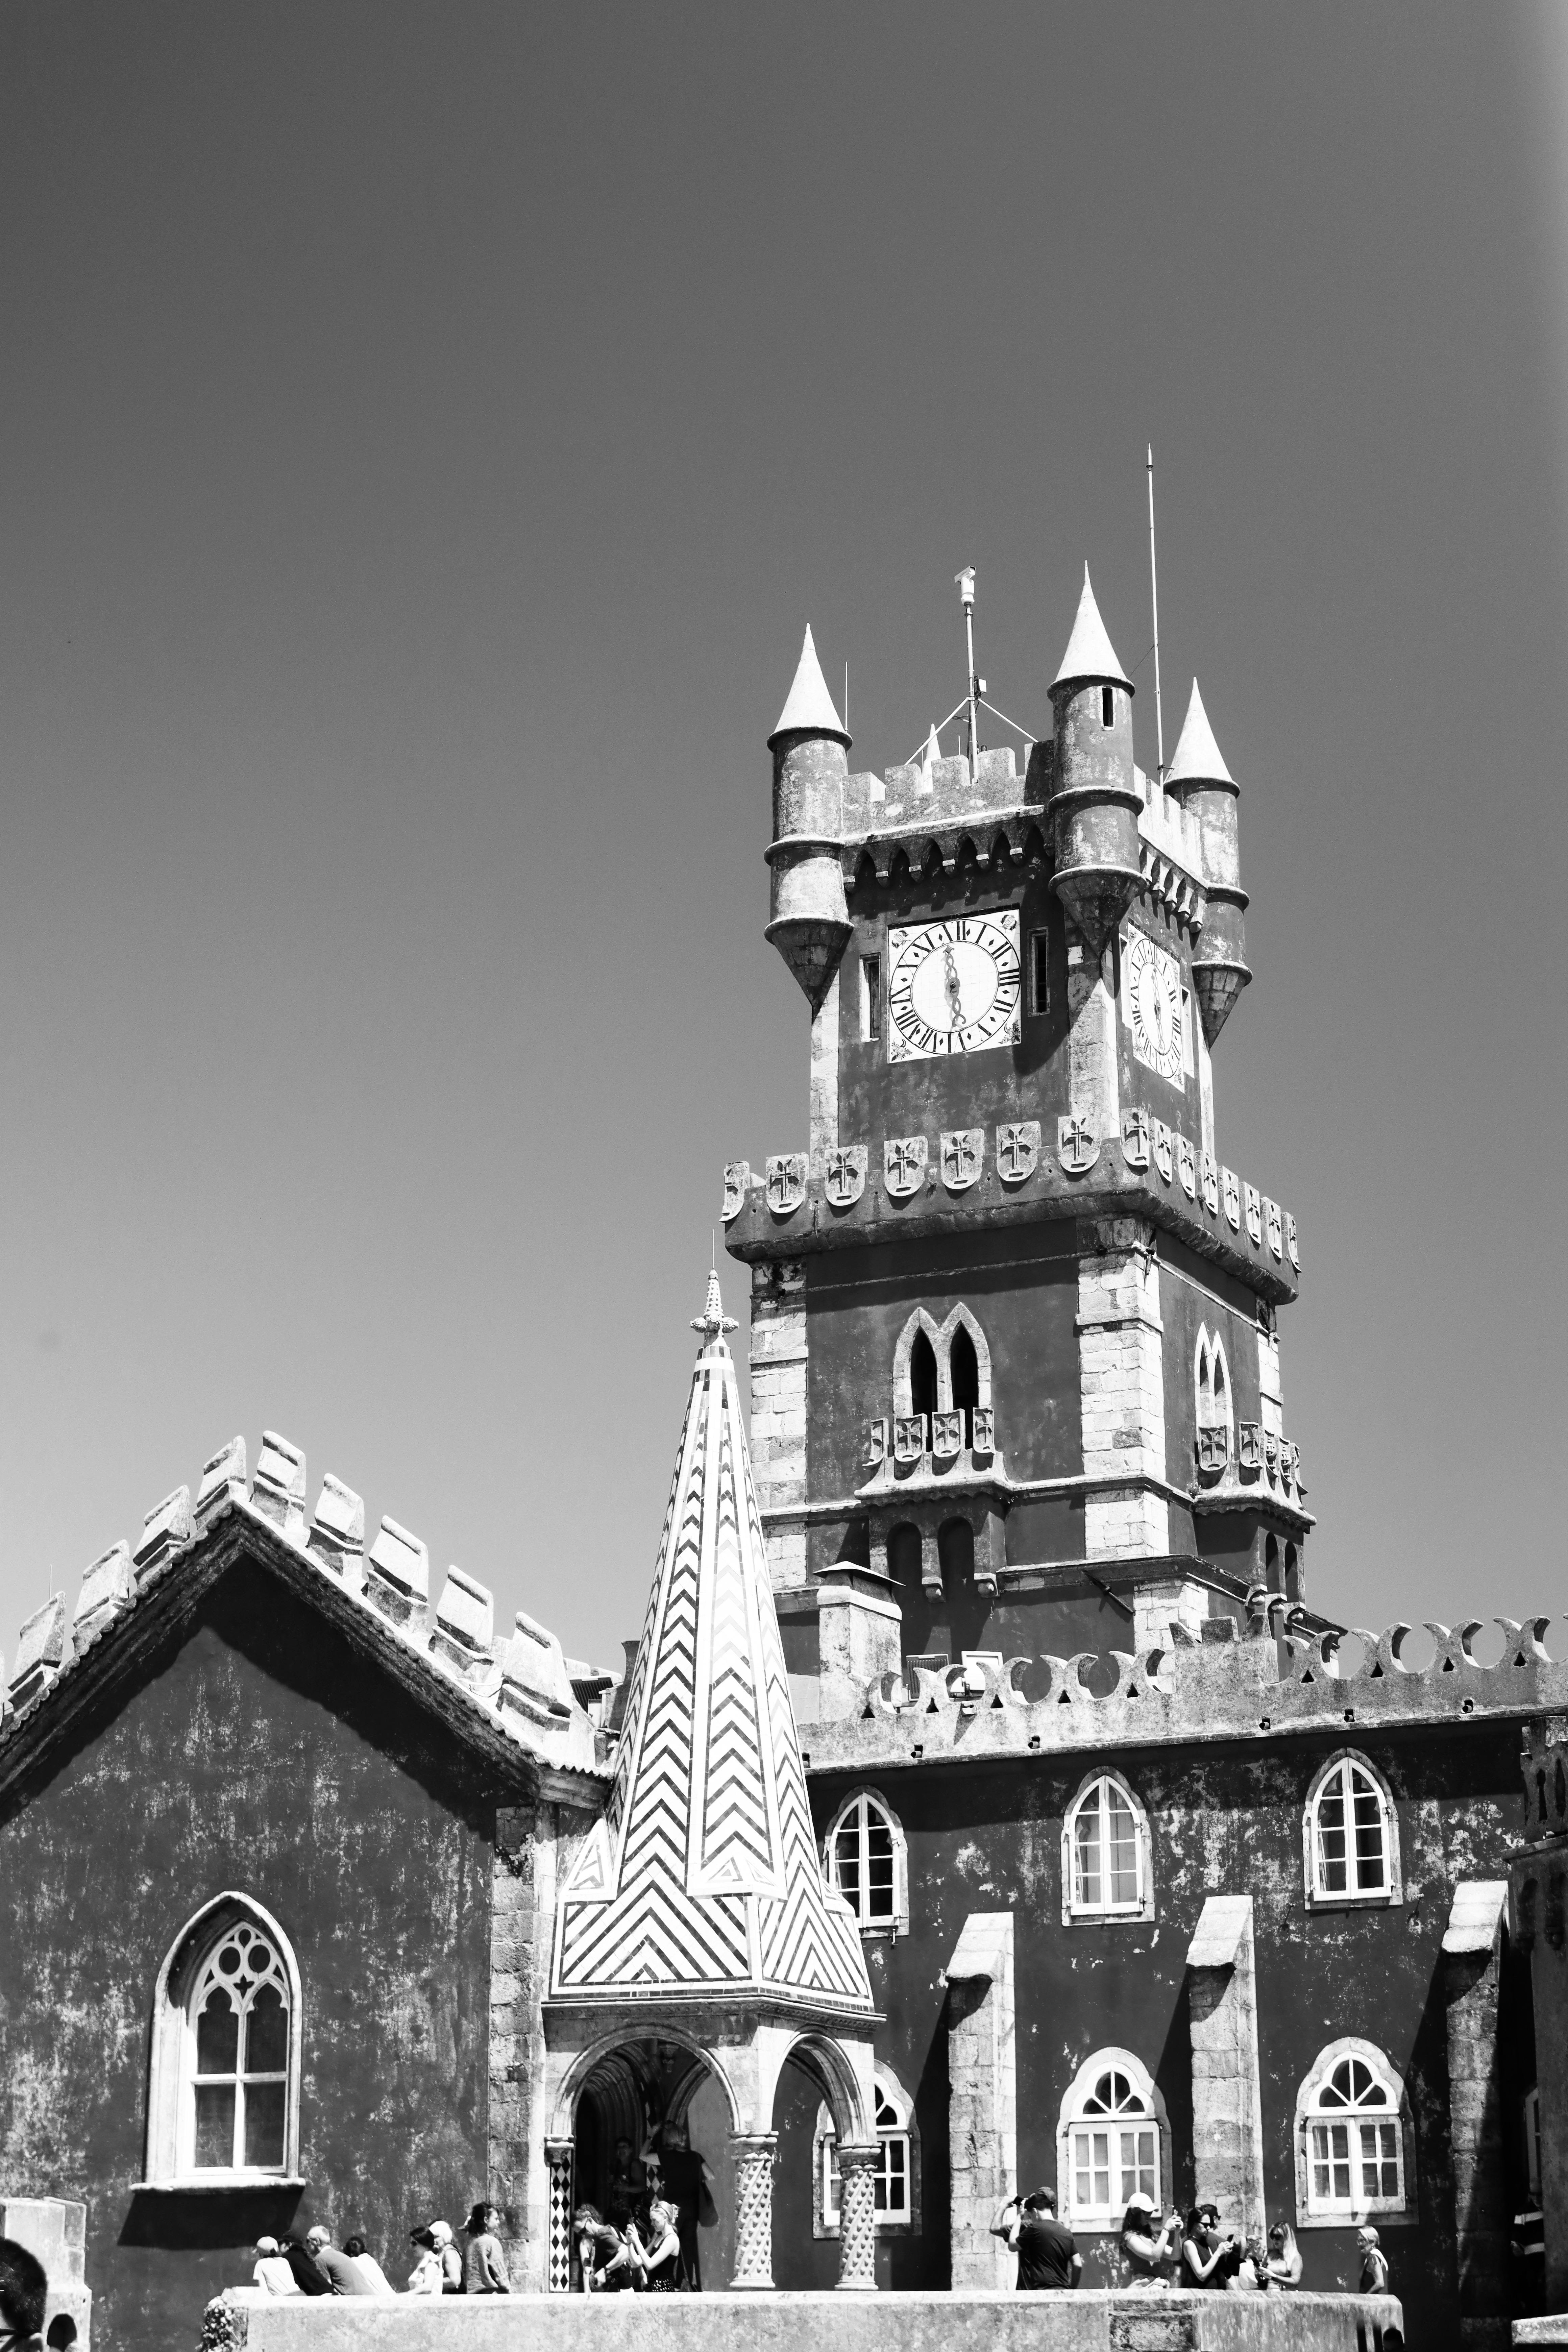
(217, 2222)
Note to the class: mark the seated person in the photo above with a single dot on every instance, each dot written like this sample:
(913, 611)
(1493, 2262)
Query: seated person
(370, 2270)
(272, 2273)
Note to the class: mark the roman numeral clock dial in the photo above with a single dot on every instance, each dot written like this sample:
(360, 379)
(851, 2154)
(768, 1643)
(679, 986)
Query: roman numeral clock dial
(953, 987)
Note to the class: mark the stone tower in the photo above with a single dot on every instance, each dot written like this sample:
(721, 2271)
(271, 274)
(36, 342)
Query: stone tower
(1015, 1353)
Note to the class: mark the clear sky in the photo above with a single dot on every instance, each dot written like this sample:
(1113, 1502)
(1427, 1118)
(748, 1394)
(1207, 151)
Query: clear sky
(427, 431)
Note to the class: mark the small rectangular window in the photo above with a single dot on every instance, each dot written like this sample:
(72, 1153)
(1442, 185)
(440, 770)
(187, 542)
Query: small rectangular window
(872, 998)
(1108, 706)
(1040, 972)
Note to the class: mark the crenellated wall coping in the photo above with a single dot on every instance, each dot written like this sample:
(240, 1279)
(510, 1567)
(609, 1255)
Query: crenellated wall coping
(1268, 1684)
(520, 1684)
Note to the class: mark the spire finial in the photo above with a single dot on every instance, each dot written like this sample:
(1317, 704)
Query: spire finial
(713, 1322)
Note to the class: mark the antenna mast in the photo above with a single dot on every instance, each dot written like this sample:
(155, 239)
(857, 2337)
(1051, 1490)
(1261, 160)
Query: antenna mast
(964, 583)
(1155, 600)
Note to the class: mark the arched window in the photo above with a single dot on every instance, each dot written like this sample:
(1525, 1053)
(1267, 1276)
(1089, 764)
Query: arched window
(897, 2205)
(865, 1858)
(1112, 2142)
(1351, 2131)
(963, 1370)
(1211, 1382)
(223, 2098)
(1106, 1871)
(923, 1375)
(1350, 1834)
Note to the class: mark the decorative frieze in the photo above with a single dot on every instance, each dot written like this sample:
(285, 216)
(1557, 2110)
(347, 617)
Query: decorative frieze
(1135, 1137)
(1077, 1144)
(785, 1183)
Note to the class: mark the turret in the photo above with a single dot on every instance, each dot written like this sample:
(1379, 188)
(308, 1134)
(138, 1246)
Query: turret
(1199, 778)
(810, 925)
(1095, 802)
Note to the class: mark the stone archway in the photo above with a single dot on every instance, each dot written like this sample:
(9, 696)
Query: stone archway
(834, 2081)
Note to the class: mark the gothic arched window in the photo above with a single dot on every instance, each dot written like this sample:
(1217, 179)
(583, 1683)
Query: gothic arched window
(1215, 1420)
(923, 1375)
(1350, 1834)
(1350, 2158)
(897, 2182)
(1106, 1871)
(223, 2100)
(866, 1860)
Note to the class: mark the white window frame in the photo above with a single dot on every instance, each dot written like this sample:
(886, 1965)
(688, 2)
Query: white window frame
(171, 2098)
(862, 1800)
(1095, 2220)
(1321, 1897)
(1075, 1911)
(1313, 2213)
(900, 2132)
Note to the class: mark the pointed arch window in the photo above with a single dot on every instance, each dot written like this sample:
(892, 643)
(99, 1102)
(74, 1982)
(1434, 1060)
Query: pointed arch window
(1213, 1401)
(865, 1858)
(1352, 2133)
(1350, 1835)
(224, 2095)
(1106, 1872)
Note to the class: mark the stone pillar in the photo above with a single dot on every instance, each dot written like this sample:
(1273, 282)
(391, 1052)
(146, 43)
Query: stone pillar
(1122, 1383)
(778, 1413)
(754, 2152)
(825, 1077)
(859, 1630)
(982, 2103)
(1472, 1968)
(559, 2157)
(1227, 2099)
(516, 2032)
(857, 2216)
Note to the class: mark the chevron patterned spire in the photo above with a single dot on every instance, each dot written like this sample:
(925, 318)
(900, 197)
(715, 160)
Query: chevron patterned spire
(702, 1874)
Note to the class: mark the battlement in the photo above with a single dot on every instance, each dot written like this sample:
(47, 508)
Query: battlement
(1270, 1683)
(1014, 1174)
(521, 1683)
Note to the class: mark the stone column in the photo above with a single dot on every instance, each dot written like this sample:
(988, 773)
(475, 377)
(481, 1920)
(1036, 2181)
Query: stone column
(754, 2152)
(559, 2155)
(1227, 2099)
(983, 2108)
(516, 2032)
(857, 2216)
(1472, 1967)
(1122, 1383)
(858, 1631)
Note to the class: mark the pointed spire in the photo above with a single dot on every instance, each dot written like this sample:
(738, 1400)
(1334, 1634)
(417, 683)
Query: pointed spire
(808, 707)
(1197, 760)
(1090, 654)
(713, 1322)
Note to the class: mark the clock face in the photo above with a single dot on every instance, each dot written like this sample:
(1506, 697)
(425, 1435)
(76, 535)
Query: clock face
(1154, 1006)
(953, 987)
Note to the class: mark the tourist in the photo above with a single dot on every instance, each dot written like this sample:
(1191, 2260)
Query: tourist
(1047, 2254)
(427, 2276)
(451, 2260)
(1282, 2265)
(308, 2276)
(602, 2257)
(1373, 2264)
(685, 2182)
(1150, 2250)
(370, 2270)
(1248, 2275)
(484, 2264)
(24, 2292)
(658, 2261)
(1210, 2256)
(343, 2276)
(626, 2196)
(272, 2273)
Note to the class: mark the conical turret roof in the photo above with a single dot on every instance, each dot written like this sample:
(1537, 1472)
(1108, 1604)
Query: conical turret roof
(1197, 760)
(808, 707)
(702, 1876)
(1090, 654)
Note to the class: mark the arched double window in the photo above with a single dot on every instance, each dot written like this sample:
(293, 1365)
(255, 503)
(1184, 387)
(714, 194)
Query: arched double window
(945, 1369)
(1113, 2141)
(1350, 1835)
(864, 1857)
(1214, 1404)
(1351, 2137)
(897, 2178)
(1106, 1872)
(223, 2095)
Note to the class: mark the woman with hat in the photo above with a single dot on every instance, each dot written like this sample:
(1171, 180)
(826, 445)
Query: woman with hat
(1150, 2249)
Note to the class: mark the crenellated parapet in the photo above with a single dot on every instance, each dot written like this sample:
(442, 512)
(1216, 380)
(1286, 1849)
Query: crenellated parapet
(1221, 1687)
(518, 1681)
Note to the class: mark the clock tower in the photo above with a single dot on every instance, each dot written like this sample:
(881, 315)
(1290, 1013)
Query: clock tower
(1014, 1343)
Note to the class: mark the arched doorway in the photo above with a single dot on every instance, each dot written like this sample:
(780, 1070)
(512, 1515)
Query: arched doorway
(654, 2101)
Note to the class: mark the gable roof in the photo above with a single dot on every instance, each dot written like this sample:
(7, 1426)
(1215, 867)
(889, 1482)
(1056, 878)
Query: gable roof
(510, 1702)
(701, 1875)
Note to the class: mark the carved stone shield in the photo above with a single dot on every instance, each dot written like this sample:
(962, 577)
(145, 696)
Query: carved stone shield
(1270, 1452)
(908, 1437)
(787, 1178)
(1135, 1137)
(1249, 1444)
(903, 1164)
(1018, 1150)
(962, 1157)
(1209, 1172)
(1165, 1149)
(1232, 1184)
(1254, 1214)
(1291, 1246)
(982, 1422)
(1187, 1167)
(1214, 1448)
(946, 1435)
(1274, 1215)
(1078, 1145)
(844, 1174)
(737, 1184)
(876, 1443)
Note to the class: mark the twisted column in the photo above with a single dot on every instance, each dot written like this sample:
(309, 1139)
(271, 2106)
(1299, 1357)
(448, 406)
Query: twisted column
(558, 2156)
(857, 2166)
(753, 2153)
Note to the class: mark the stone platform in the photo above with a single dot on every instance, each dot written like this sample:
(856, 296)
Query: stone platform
(1084, 2321)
